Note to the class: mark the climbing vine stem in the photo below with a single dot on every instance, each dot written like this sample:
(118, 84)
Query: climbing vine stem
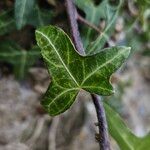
(102, 137)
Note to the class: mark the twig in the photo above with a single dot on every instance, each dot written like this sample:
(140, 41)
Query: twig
(86, 22)
(72, 15)
(102, 124)
(81, 19)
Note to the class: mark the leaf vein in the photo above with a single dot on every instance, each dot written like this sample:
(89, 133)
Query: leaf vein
(59, 57)
(107, 62)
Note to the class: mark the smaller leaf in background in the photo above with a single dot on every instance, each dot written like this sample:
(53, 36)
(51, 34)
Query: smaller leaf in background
(121, 133)
(23, 10)
(7, 22)
(144, 14)
(20, 59)
(137, 24)
(95, 13)
(40, 17)
(143, 3)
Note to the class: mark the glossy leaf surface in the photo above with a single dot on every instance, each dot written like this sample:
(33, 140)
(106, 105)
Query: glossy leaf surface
(72, 72)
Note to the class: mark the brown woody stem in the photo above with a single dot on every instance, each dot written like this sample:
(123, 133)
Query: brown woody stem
(102, 123)
(72, 15)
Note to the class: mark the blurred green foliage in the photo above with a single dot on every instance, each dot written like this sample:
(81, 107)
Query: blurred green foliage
(96, 13)
(7, 22)
(137, 25)
(21, 14)
(19, 58)
(27, 15)
(124, 136)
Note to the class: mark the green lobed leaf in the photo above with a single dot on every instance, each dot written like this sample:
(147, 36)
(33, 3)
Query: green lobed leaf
(72, 72)
(94, 14)
(23, 10)
(7, 23)
(122, 134)
(21, 59)
(39, 17)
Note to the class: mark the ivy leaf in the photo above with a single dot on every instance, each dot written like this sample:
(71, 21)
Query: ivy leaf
(19, 58)
(122, 134)
(143, 3)
(23, 10)
(72, 72)
(104, 11)
(7, 23)
(39, 17)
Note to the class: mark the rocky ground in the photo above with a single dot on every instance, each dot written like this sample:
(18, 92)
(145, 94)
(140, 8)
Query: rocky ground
(25, 126)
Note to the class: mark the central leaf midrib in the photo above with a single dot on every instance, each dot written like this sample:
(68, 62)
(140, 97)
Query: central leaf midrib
(59, 57)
